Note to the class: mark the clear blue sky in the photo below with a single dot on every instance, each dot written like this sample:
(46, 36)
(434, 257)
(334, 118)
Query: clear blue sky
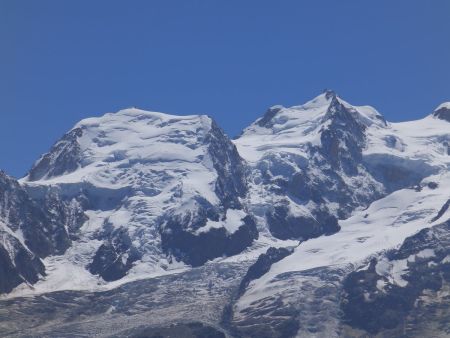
(61, 61)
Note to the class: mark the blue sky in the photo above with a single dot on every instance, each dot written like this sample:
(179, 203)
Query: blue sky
(61, 61)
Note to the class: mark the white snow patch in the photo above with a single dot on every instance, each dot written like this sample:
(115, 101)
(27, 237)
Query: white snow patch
(232, 222)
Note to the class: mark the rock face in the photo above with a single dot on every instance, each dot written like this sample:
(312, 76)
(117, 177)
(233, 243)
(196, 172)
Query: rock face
(64, 157)
(27, 234)
(115, 256)
(262, 265)
(231, 181)
(33, 226)
(391, 292)
(17, 264)
(42, 234)
(283, 225)
(319, 220)
(443, 112)
(196, 249)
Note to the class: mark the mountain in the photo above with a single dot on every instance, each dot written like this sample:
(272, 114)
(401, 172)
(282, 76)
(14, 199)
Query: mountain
(159, 191)
(319, 220)
(383, 181)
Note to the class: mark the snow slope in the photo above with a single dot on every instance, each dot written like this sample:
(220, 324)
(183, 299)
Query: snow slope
(382, 226)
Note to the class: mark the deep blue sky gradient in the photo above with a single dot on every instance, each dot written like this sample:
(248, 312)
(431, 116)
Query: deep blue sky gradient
(61, 61)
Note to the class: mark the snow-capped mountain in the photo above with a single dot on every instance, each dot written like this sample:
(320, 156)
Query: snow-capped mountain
(158, 191)
(295, 228)
(386, 181)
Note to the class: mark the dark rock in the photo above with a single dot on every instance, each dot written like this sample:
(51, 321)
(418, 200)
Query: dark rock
(442, 211)
(265, 121)
(9, 276)
(262, 265)
(343, 139)
(432, 185)
(115, 257)
(330, 94)
(63, 157)
(366, 307)
(231, 172)
(43, 223)
(196, 249)
(44, 233)
(285, 226)
(443, 114)
(18, 265)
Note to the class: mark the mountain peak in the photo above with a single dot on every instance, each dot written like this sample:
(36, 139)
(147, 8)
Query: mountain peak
(443, 111)
(327, 105)
(329, 94)
(134, 115)
(129, 135)
(269, 115)
(279, 114)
